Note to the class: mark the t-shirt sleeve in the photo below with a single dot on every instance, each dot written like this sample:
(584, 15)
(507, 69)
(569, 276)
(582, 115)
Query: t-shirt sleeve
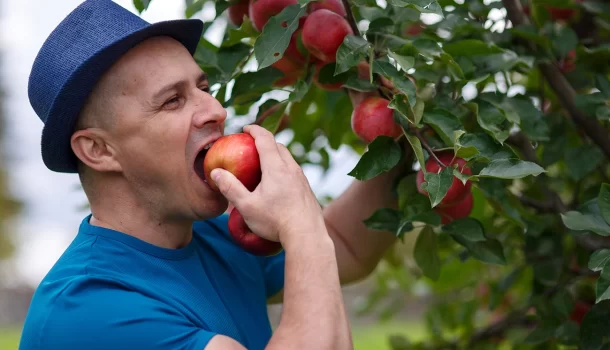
(99, 313)
(272, 266)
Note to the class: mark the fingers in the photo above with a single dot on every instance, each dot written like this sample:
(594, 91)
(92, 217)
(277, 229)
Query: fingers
(285, 154)
(265, 145)
(230, 186)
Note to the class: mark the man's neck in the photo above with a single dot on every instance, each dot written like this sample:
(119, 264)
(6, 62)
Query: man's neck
(138, 223)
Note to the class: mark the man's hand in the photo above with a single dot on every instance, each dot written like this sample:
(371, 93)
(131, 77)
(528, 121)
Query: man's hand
(283, 206)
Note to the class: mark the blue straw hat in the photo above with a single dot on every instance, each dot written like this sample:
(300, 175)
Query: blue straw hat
(73, 58)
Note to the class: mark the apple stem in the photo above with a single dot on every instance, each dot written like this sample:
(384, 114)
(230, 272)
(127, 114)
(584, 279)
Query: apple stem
(428, 148)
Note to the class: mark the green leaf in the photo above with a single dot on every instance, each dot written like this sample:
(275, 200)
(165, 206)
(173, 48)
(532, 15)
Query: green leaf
(400, 103)
(383, 155)
(471, 47)
(246, 30)
(583, 160)
(565, 41)
(588, 218)
(401, 82)
(141, 5)
(599, 259)
(511, 169)
(489, 251)
(437, 185)
(387, 219)
(602, 287)
(272, 122)
(417, 149)
(532, 121)
(352, 50)
(468, 228)
(426, 255)
(603, 200)
(250, 86)
(424, 6)
(273, 41)
(418, 112)
(603, 84)
(355, 83)
(539, 335)
(589, 103)
(404, 62)
(562, 302)
(444, 123)
(486, 146)
(567, 333)
(300, 89)
(461, 151)
(193, 8)
(493, 121)
(595, 328)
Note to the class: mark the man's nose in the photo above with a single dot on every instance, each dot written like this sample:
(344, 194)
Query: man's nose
(208, 111)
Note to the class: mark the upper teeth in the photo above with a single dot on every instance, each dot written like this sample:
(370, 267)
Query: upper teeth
(208, 145)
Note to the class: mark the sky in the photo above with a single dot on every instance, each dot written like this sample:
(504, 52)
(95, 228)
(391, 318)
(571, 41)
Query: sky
(52, 200)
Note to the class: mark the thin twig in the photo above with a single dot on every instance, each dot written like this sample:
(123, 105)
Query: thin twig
(545, 207)
(350, 17)
(428, 148)
(560, 85)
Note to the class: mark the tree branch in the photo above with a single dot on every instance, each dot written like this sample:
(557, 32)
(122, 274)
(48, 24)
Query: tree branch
(562, 88)
(350, 17)
(427, 147)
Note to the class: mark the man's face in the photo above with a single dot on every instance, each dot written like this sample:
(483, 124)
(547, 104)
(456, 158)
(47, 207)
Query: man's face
(164, 119)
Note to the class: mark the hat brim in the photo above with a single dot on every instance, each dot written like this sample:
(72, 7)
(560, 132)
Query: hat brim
(56, 150)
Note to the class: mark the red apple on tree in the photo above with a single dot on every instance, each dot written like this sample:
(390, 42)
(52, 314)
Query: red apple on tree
(458, 190)
(372, 118)
(326, 86)
(238, 11)
(261, 10)
(335, 6)
(292, 71)
(323, 33)
(579, 311)
(237, 154)
(456, 211)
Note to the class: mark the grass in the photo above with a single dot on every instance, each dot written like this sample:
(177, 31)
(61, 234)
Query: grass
(9, 338)
(374, 337)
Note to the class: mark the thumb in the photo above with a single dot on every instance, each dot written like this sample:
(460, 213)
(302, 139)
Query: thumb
(229, 185)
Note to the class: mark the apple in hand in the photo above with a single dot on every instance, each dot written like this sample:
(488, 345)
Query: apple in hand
(457, 211)
(372, 118)
(237, 154)
(323, 33)
(261, 10)
(249, 241)
(237, 11)
(458, 191)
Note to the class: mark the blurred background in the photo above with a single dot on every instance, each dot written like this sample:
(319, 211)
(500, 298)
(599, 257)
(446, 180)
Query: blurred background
(40, 210)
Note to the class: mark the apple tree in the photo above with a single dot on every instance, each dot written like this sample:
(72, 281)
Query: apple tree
(499, 112)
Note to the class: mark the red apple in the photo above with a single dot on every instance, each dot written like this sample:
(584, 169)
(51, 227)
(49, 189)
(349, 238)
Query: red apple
(579, 311)
(568, 63)
(458, 191)
(248, 240)
(372, 118)
(457, 211)
(292, 71)
(261, 10)
(237, 154)
(238, 11)
(335, 6)
(323, 33)
(412, 29)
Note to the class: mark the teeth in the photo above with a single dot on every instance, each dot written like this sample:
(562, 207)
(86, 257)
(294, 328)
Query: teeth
(208, 145)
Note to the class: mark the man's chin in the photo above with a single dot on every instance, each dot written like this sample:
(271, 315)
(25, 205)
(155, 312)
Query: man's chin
(213, 209)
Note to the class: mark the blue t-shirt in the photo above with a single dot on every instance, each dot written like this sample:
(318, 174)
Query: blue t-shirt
(110, 290)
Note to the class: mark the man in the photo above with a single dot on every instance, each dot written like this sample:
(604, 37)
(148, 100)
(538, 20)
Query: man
(153, 266)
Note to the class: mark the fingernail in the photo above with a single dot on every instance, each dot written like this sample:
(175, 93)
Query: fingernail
(215, 175)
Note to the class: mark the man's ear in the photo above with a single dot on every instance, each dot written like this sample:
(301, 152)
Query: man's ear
(91, 147)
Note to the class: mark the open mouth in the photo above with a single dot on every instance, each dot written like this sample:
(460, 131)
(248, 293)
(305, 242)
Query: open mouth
(199, 161)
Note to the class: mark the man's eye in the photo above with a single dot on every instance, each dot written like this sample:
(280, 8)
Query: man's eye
(172, 100)
(205, 88)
